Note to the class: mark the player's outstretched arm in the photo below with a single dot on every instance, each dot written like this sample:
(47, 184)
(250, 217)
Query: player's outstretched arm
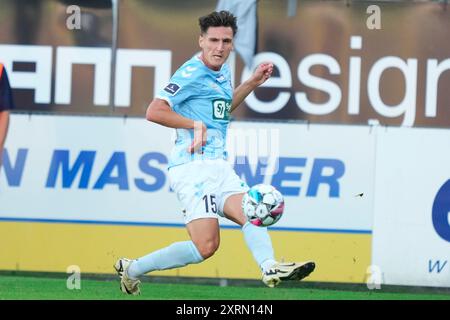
(261, 74)
(4, 122)
(160, 112)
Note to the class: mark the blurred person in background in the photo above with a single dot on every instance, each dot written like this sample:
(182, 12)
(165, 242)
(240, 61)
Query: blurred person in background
(6, 104)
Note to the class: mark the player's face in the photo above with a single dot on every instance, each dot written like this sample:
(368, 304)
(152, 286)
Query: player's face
(216, 45)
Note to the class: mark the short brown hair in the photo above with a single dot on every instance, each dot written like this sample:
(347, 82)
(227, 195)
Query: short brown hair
(218, 19)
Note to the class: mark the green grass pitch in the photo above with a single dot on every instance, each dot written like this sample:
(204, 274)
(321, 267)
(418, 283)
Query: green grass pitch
(45, 288)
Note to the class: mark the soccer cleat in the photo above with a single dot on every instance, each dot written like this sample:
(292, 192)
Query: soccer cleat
(127, 285)
(287, 271)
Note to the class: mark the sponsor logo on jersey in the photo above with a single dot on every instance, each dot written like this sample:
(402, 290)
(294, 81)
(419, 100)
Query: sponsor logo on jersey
(221, 109)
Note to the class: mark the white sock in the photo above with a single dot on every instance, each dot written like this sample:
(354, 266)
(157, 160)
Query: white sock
(176, 255)
(259, 243)
(266, 265)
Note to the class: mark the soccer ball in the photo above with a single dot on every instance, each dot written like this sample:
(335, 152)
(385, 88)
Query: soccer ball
(263, 205)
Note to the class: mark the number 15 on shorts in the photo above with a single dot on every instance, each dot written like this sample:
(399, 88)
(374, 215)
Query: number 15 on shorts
(210, 203)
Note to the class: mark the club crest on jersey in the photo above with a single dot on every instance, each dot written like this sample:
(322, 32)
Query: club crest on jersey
(221, 109)
(172, 88)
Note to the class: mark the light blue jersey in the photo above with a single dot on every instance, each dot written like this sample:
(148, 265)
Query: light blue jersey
(201, 94)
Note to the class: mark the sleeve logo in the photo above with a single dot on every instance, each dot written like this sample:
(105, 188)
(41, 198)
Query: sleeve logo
(172, 88)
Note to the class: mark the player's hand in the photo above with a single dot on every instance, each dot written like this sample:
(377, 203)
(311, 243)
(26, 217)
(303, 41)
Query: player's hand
(200, 137)
(262, 73)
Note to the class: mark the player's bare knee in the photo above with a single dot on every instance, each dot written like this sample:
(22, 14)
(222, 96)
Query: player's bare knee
(208, 248)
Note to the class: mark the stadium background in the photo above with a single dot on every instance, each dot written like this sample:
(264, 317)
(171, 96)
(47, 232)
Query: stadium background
(395, 151)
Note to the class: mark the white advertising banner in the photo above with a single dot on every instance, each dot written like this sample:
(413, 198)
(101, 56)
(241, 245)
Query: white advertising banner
(114, 170)
(325, 173)
(411, 231)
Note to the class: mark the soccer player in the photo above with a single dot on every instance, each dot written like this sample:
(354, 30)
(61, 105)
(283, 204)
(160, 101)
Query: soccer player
(197, 102)
(6, 103)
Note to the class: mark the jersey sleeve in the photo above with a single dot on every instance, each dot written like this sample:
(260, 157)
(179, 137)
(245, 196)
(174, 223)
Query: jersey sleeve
(181, 87)
(6, 99)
